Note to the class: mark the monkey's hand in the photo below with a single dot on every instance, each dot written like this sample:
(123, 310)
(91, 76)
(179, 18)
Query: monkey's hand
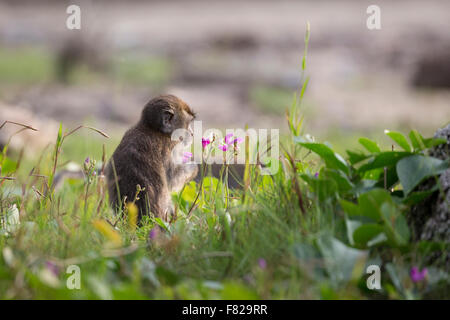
(178, 175)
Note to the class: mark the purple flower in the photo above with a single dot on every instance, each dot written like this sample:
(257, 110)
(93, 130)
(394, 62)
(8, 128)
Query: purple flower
(228, 138)
(187, 156)
(86, 163)
(205, 142)
(53, 268)
(223, 147)
(237, 140)
(316, 175)
(417, 275)
(153, 233)
(262, 263)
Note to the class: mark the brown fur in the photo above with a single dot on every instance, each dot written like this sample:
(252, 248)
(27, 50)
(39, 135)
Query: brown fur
(144, 157)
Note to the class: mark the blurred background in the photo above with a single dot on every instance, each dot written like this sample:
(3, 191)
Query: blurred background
(236, 63)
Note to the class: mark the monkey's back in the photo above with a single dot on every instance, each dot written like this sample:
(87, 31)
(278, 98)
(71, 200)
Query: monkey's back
(136, 161)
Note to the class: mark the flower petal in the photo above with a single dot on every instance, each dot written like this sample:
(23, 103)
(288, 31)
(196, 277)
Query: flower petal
(228, 139)
(223, 147)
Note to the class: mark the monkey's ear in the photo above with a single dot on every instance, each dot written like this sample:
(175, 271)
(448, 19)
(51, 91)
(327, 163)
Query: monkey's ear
(166, 121)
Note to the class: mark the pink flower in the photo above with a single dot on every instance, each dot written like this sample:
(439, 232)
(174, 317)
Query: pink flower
(53, 268)
(223, 147)
(262, 263)
(187, 156)
(229, 141)
(205, 142)
(228, 138)
(153, 233)
(417, 275)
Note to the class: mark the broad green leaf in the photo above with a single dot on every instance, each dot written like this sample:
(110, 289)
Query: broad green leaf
(189, 192)
(399, 138)
(370, 145)
(354, 157)
(332, 159)
(340, 260)
(384, 159)
(396, 223)
(366, 233)
(412, 170)
(419, 196)
(351, 226)
(210, 182)
(363, 186)
(305, 251)
(9, 166)
(370, 203)
(343, 182)
(350, 208)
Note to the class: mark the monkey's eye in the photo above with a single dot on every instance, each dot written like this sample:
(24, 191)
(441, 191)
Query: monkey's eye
(168, 114)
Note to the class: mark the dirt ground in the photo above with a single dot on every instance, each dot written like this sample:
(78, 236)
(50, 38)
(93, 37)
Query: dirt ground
(359, 79)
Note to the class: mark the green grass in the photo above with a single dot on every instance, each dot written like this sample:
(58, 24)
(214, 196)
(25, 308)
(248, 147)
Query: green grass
(25, 66)
(142, 69)
(31, 65)
(271, 100)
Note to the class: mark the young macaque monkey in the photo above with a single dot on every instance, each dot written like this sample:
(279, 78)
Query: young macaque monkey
(147, 156)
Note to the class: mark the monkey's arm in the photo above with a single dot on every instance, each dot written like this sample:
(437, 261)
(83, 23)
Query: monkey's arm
(178, 175)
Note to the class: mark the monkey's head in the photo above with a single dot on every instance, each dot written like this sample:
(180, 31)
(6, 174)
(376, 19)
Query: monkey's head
(166, 114)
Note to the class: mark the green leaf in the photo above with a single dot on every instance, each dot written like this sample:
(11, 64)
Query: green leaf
(432, 142)
(354, 157)
(190, 192)
(420, 143)
(210, 183)
(340, 260)
(384, 159)
(350, 208)
(399, 138)
(418, 196)
(363, 186)
(343, 182)
(366, 233)
(236, 291)
(351, 226)
(370, 145)
(370, 203)
(167, 276)
(332, 159)
(9, 166)
(396, 223)
(416, 140)
(323, 188)
(412, 170)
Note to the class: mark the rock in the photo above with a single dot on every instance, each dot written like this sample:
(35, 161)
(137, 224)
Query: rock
(430, 220)
(32, 142)
(433, 69)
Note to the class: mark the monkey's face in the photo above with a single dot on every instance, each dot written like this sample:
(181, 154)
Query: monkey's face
(167, 114)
